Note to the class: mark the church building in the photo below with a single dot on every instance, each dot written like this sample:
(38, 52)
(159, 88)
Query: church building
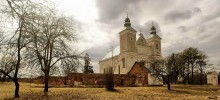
(132, 49)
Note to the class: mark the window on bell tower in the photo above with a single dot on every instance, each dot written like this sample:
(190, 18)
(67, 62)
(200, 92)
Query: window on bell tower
(157, 46)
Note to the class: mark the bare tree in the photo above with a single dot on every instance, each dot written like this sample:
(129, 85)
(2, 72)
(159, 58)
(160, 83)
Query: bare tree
(164, 68)
(16, 41)
(69, 66)
(50, 35)
(19, 11)
(7, 63)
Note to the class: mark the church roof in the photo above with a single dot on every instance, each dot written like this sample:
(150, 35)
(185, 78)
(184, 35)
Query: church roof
(116, 52)
(128, 28)
(141, 65)
(141, 40)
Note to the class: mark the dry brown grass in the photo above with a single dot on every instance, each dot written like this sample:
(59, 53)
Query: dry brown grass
(178, 92)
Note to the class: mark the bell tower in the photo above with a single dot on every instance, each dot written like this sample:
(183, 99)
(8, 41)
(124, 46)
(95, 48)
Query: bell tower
(127, 37)
(154, 41)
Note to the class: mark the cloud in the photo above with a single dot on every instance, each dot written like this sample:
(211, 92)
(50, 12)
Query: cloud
(181, 15)
(109, 10)
(182, 29)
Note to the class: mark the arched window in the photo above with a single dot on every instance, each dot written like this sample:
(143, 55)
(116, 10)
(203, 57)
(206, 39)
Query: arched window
(123, 62)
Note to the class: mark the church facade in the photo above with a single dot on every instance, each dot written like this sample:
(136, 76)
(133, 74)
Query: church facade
(132, 49)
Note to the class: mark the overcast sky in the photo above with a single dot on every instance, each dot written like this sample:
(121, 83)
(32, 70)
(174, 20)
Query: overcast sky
(180, 23)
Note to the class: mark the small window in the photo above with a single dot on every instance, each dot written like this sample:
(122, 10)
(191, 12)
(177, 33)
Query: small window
(157, 46)
(123, 61)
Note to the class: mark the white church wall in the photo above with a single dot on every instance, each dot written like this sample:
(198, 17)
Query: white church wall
(153, 80)
(107, 63)
(141, 49)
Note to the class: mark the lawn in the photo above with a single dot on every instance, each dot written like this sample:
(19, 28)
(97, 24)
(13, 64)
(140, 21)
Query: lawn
(178, 92)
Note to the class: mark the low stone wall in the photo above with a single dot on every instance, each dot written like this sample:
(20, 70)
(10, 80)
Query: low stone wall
(53, 80)
(93, 80)
(98, 79)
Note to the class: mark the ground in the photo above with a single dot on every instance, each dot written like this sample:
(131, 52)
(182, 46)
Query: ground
(178, 92)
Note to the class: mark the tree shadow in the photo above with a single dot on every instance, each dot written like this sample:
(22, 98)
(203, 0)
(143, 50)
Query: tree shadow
(113, 90)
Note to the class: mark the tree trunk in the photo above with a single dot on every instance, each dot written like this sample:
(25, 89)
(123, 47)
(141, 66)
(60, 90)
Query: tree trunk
(16, 88)
(175, 79)
(65, 80)
(168, 82)
(201, 77)
(4, 78)
(192, 75)
(188, 75)
(46, 80)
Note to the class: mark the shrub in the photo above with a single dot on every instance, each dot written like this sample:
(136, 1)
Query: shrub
(109, 79)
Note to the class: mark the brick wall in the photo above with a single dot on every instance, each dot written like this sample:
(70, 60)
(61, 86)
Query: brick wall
(98, 79)
(88, 79)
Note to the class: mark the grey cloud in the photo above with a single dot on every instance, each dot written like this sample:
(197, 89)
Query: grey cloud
(99, 51)
(182, 29)
(206, 39)
(175, 16)
(111, 9)
(179, 45)
(212, 36)
(145, 29)
(113, 12)
(195, 10)
(211, 17)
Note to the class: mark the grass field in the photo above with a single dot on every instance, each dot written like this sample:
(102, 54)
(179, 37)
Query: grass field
(178, 92)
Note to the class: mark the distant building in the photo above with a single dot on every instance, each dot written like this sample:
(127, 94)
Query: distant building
(131, 50)
(212, 78)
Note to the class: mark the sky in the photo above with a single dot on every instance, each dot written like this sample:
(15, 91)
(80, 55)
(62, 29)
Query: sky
(180, 24)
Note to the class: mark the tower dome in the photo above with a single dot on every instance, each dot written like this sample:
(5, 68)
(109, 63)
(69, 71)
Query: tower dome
(153, 30)
(127, 22)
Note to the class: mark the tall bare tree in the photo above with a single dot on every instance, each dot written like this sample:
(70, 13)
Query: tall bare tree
(19, 11)
(50, 35)
(18, 41)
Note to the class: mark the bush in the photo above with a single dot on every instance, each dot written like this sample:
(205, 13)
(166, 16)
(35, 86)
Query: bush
(109, 79)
